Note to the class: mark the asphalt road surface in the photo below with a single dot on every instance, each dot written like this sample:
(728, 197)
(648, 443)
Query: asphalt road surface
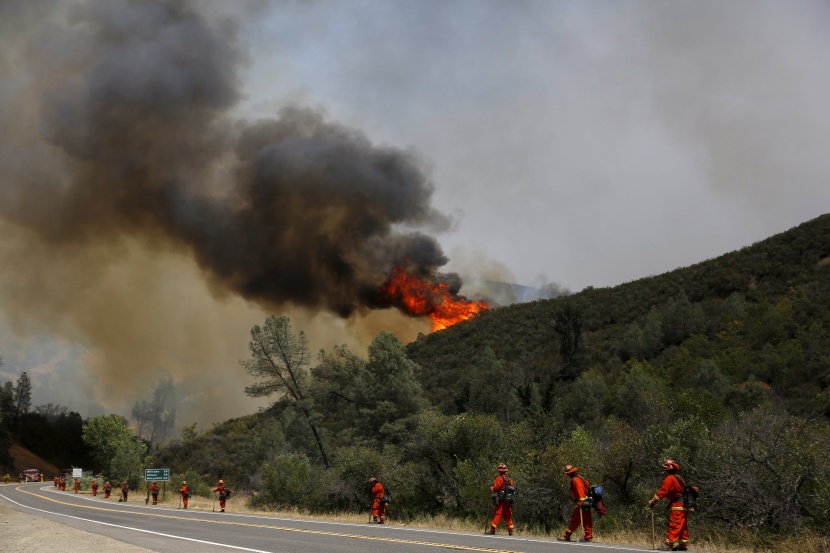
(169, 530)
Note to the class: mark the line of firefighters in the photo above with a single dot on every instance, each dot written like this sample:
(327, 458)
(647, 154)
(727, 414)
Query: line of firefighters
(503, 495)
(152, 490)
(502, 491)
(673, 489)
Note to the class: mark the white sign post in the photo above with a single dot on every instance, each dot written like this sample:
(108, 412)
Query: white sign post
(77, 473)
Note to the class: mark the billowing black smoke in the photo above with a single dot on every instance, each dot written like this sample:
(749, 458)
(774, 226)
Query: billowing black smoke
(133, 105)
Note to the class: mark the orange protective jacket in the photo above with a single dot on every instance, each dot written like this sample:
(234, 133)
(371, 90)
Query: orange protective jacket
(500, 483)
(377, 491)
(672, 489)
(154, 489)
(183, 491)
(579, 488)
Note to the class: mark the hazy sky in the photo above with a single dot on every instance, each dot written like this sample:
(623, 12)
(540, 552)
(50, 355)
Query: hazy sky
(589, 142)
(572, 143)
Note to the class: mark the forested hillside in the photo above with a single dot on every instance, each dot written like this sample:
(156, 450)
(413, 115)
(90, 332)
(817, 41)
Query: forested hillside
(758, 317)
(723, 366)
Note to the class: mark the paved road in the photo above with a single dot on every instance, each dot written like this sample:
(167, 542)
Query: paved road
(169, 530)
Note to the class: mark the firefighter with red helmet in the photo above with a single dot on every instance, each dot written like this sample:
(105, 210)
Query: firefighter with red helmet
(224, 494)
(185, 492)
(378, 501)
(503, 494)
(674, 489)
(581, 514)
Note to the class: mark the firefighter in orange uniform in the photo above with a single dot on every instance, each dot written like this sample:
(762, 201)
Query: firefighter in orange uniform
(673, 489)
(107, 490)
(378, 505)
(581, 513)
(56, 481)
(185, 493)
(224, 494)
(94, 486)
(504, 504)
(125, 490)
(154, 491)
(77, 485)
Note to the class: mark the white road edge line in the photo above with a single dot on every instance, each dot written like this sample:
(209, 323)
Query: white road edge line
(358, 525)
(138, 529)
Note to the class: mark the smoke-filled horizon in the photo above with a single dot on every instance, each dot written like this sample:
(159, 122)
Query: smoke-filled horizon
(120, 143)
(134, 117)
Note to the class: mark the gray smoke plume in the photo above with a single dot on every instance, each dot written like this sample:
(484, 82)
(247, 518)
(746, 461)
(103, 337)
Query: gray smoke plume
(122, 164)
(136, 112)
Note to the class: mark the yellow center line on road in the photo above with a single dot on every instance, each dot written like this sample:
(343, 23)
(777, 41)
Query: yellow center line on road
(282, 528)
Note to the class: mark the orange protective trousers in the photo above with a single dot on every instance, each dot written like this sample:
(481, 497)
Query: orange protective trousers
(678, 531)
(587, 522)
(503, 510)
(378, 509)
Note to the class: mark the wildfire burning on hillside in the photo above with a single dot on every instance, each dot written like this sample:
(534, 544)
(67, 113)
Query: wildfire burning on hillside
(418, 297)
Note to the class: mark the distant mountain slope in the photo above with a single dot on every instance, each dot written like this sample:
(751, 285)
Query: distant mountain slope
(25, 459)
(525, 340)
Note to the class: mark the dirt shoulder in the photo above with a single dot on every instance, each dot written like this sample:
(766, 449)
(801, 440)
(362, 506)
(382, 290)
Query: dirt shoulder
(27, 533)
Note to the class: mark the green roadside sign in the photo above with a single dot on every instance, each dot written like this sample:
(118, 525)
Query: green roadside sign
(162, 475)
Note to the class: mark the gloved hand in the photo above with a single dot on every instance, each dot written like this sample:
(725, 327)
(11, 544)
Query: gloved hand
(651, 504)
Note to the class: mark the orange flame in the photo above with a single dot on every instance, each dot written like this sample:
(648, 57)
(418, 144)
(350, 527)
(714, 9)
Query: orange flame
(419, 297)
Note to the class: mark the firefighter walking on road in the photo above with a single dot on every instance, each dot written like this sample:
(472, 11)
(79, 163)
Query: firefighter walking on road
(107, 490)
(224, 494)
(94, 486)
(673, 489)
(581, 514)
(503, 493)
(185, 494)
(378, 503)
(125, 490)
(154, 491)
